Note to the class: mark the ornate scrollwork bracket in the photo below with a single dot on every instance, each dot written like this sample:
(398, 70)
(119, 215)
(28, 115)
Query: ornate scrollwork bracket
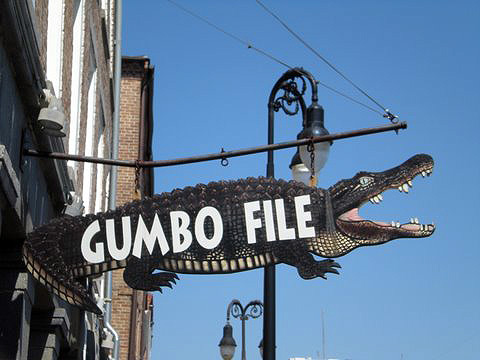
(292, 95)
(254, 309)
(293, 86)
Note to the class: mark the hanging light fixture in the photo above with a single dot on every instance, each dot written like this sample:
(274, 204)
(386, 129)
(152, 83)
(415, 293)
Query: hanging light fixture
(227, 343)
(52, 119)
(300, 172)
(260, 348)
(314, 127)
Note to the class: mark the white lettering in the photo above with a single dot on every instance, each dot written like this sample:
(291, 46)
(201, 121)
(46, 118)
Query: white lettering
(202, 239)
(269, 225)
(115, 252)
(283, 232)
(98, 255)
(180, 221)
(250, 222)
(303, 216)
(207, 233)
(149, 238)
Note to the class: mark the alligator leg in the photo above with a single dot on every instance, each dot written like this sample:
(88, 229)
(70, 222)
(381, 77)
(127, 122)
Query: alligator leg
(307, 266)
(139, 275)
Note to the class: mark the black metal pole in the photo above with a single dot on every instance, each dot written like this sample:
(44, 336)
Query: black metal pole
(292, 95)
(244, 355)
(269, 281)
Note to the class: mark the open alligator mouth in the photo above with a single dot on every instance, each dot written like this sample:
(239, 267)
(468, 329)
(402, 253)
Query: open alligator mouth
(400, 177)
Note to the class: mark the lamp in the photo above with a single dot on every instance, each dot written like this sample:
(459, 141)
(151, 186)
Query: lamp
(227, 343)
(314, 127)
(300, 172)
(52, 119)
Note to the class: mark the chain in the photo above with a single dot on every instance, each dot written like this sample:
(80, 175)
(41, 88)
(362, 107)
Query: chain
(137, 176)
(311, 150)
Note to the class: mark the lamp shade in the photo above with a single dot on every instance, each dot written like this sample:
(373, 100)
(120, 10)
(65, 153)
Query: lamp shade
(52, 118)
(300, 172)
(314, 127)
(227, 343)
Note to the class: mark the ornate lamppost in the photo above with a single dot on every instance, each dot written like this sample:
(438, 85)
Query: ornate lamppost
(254, 309)
(305, 165)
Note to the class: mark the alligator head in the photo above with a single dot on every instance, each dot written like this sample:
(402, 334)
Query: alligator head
(348, 230)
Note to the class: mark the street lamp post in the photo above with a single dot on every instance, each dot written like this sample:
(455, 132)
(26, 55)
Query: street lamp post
(312, 125)
(254, 309)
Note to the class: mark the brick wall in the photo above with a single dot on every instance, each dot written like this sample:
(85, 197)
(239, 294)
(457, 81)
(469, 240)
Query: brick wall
(41, 22)
(67, 57)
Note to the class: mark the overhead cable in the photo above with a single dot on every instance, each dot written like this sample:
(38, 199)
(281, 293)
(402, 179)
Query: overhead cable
(387, 114)
(271, 57)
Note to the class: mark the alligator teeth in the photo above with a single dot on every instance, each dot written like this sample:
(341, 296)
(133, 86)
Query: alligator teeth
(372, 201)
(409, 182)
(412, 221)
(397, 224)
(424, 173)
(393, 223)
(416, 221)
(380, 196)
(405, 188)
(400, 188)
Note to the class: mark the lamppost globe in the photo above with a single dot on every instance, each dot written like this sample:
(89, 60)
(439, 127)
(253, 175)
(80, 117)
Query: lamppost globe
(300, 172)
(227, 343)
(314, 127)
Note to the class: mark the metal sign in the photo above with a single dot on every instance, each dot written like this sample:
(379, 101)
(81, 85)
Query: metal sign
(222, 227)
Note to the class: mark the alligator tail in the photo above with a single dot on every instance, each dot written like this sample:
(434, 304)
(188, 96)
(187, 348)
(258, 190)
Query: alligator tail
(43, 257)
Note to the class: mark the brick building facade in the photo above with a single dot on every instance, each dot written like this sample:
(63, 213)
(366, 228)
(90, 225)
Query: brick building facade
(52, 51)
(132, 309)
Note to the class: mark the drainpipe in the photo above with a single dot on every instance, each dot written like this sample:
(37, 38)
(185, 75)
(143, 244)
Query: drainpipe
(144, 131)
(112, 198)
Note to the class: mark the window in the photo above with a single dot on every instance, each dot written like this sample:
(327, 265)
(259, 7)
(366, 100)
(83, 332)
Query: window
(89, 135)
(54, 45)
(76, 79)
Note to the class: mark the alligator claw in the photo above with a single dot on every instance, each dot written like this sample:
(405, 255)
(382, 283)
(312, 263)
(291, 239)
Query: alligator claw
(164, 279)
(327, 266)
(334, 271)
(318, 269)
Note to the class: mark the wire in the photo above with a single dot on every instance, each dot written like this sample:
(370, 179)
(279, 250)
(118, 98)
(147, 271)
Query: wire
(246, 43)
(271, 57)
(350, 98)
(387, 112)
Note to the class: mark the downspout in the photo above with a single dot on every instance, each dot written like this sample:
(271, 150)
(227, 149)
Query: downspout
(143, 128)
(112, 198)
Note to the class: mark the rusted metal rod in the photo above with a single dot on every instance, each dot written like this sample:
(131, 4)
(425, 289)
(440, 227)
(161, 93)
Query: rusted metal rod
(216, 156)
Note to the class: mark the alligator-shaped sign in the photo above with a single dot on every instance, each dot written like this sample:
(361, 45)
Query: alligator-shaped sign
(222, 227)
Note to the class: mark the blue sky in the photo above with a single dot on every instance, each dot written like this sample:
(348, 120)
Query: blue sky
(416, 298)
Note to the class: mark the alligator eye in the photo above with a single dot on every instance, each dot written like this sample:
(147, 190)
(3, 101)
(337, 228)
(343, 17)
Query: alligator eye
(365, 180)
